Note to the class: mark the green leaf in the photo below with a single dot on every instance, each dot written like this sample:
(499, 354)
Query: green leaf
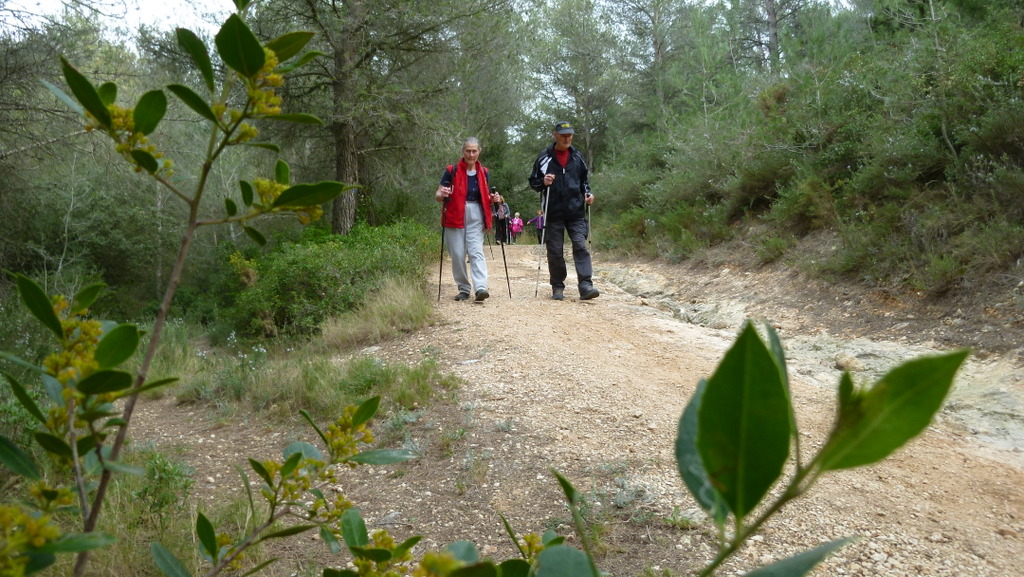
(288, 45)
(407, 545)
(23, 363)
(353, 529)
(117, 346)
(255, 235)
(86, 94)
(570, 492)
(514, 568)
(290, 464)
(304, 449)
(107, 92)
(207, 538)
(230, 207)
(551, 538)
(691, 468)
(464, 551)
(743, 424)
(239, 48)
(302, 195)
(329, 539)
(157, 384)
(260, 567)
(282, 172)
(146, 160)
(241, 5)
(296, 118)
(798, 565)
(299, 62)
(328, 572)
(265, 146)
(16, 460)
(86, 297)
(53, 444)
(77, 542)
(38, 561)
(39, 304)
(372, 553)
(167, 562)
(105, 382)
(512, 535)
(193, 101)
(874, 423)
(563, 561)
(54, 390)
(247, 192)
(366, 410)
(261, 471)
(21, 393)
(197, 51)
(288, 532)
(309, 419)
(383, 457)
(63, 97)
(149, 111)
(481, 569)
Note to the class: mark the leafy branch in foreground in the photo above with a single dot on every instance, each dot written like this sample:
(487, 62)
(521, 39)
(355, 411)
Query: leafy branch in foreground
(82, 430)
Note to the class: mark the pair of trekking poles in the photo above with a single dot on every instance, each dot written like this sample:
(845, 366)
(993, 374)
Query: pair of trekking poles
(440, 266)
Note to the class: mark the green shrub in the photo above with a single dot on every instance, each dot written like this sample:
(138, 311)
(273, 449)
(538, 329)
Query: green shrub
(297, 287)
(804, 206)
(757, 183)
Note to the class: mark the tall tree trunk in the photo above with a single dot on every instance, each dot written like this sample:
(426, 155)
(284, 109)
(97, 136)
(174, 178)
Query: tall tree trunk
(346, 158)
(771, 11)
(343, 210)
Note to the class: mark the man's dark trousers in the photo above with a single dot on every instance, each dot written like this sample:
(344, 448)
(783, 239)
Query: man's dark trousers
(554, 238)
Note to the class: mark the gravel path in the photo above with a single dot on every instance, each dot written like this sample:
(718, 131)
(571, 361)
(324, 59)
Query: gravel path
(595, 388)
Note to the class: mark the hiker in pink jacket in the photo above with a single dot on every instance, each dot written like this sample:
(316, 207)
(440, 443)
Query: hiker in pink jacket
(516, 226)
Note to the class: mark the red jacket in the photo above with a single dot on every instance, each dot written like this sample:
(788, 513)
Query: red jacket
(453, 210)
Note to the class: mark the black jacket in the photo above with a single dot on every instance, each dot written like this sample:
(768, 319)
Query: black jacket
(570, 187)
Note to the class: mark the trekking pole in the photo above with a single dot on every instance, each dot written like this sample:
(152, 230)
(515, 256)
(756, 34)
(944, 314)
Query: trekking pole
(543, 231)
(440, 266)
(506, 262)
(590, 231)
(507, 281)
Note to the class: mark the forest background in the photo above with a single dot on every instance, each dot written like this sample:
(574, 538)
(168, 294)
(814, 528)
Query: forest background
(893, 125)
(891, 130)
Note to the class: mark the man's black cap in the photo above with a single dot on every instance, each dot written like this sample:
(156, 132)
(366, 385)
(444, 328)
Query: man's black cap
(563, 127)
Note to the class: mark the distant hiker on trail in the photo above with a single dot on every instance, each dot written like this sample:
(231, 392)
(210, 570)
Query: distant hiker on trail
(500, 222)
(538, 221)
(465, 196)
(515, 227)
(560, 175)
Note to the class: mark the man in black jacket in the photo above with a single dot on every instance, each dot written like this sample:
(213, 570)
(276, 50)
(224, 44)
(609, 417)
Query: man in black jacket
(560, 173)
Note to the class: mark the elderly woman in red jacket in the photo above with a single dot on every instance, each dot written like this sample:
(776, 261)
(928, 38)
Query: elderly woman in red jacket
(465, 197)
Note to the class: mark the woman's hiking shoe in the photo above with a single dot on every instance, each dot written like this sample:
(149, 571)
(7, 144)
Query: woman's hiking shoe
(461, 296)
(481, 295)
(587, 293)
(557, 294)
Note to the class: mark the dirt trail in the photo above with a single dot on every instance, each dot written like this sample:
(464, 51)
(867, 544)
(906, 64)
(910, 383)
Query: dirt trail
(595, 388)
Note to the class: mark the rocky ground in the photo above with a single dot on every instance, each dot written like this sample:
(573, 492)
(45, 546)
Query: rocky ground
(594, 389)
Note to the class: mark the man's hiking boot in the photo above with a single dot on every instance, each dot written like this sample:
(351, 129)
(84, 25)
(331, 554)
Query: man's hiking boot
(461, 296)
(589, 292)
(482, 294)
(557, 294)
